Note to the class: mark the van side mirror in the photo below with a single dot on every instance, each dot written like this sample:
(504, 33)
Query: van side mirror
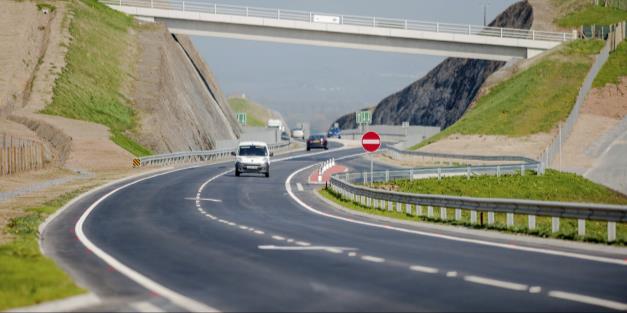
(271, 154)
(233, 153)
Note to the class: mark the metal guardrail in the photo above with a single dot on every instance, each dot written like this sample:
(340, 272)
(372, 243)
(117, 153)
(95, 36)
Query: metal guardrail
(353, 186)
(502, 158)
(354, 20)
(195, 156)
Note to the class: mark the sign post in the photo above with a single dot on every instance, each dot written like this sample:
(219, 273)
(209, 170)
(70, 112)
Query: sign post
(242, 118)
(371, 142)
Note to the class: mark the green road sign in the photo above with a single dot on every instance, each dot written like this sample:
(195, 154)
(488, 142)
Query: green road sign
(241, 118)
(363, 117)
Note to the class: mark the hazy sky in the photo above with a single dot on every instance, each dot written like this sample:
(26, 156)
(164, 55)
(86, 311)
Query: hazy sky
(319, 84)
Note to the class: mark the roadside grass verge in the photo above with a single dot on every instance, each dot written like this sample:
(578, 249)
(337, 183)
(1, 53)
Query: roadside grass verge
(592, 14)
(552, 186)
(28, 277)
(89, 87)
(596, 232)
(256, 115)
(614, 69)
(532, 101)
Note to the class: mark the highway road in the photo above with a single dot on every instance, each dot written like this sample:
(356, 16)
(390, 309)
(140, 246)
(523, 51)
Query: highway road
(202, 239)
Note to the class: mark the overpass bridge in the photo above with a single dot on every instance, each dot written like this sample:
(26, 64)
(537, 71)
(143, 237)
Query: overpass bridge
(344, 31)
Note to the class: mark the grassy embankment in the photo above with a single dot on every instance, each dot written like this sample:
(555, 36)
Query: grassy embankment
(27, 276)
(590, 14)
(614, 69)
(256, 114)
(553, 186)
(90, 86)
(532, 101)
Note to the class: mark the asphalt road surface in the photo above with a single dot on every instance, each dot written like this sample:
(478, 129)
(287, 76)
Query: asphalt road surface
(201, 239)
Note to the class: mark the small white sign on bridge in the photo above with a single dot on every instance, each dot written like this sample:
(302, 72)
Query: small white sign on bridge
(329, 19)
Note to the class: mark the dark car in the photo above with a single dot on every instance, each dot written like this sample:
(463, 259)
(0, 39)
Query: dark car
(335, 132)
(317, 141)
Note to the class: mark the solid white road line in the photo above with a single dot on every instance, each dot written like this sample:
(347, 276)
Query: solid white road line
(374, 259)
(299, 186)
(176, 298)
(197, 199)
(423, 269)
(496, 283)
(288, 187)
(588, 300)
(146, 307)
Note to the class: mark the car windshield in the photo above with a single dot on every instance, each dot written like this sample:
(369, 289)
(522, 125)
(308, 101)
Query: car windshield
(252, 150)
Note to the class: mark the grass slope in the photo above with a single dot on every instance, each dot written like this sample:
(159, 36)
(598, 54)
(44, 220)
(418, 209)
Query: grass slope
(590, 14)
(256, 114)
(552, 186)
(27, 276)
(531, 101)
(89, 88)
(614, 68)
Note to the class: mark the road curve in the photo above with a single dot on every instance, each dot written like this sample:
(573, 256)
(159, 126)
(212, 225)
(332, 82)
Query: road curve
(246, 244)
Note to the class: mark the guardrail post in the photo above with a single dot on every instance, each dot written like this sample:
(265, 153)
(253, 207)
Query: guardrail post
(408, 209)
(390, 206)
(443, 213)
(387, 176)
(439, 173)
(581, 227)
(411, 174)
(278, 14)
(405, 24)
(374, 21)
(498, 171)
(531, 222)
(501, 32)
(418, 210)
(215, 8)
(522, 170)
(555, 224)
(437, 27)
(469, 31)
(510, 219)
(369, 202)
(611, 231)
(430, 211)
(399, 208)
(533, 35)
(473, 216)
(468, 172)
(490, 218)
(365, 178)
(458, 214)
(375, 203)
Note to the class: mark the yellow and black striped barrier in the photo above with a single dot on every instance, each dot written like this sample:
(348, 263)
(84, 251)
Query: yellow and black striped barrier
(137, 163)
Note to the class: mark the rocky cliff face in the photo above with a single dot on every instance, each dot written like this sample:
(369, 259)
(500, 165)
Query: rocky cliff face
(442, 96)
(179, 104)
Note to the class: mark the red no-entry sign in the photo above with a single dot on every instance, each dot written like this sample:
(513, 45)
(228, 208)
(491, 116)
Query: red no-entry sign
(371, 141)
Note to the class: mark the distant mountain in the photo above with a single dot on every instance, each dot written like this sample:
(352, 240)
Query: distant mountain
(442, 96)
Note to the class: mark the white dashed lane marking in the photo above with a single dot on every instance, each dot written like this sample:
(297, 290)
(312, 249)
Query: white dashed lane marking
(496, 283)
(299, 186)
(374, 259)
(423, 269)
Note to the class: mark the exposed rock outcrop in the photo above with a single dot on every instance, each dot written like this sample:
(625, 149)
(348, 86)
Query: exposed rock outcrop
(442, 96)
(179, 104)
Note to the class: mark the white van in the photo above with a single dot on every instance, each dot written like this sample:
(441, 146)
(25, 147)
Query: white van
(252, 157)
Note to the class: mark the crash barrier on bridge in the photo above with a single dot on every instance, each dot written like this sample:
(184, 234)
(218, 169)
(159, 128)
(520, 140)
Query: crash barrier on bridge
(552, 155)
(353, 187)
(195, 156)
(20, 155)
(331, 18)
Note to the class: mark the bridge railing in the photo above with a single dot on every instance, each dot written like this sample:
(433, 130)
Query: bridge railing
(333, 18)
(357, 187)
